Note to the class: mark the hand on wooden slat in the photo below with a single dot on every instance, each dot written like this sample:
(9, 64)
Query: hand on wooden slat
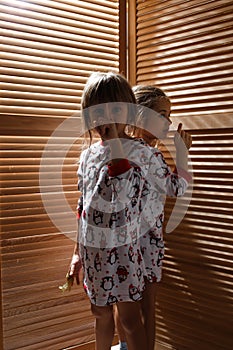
(182, 138)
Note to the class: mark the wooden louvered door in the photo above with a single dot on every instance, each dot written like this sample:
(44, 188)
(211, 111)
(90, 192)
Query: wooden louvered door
(48, 49)
(186, 48)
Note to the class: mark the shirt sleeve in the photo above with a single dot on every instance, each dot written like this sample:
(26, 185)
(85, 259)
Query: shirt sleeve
(177, 181)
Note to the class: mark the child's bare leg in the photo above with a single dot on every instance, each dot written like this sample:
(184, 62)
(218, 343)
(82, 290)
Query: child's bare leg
(120, 329)
(104, 326)
(148, 313)
(131, 321)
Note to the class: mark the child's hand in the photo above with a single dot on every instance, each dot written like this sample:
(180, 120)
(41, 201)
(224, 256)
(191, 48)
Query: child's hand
(107, 131)
(75, 267)
(73, 273)
(69, 283)
(182, 138)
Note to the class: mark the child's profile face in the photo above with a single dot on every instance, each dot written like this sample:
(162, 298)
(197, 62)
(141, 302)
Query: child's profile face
(157, 121)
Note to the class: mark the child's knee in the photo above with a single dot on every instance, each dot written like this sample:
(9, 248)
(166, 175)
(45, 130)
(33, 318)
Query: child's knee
(102, 311)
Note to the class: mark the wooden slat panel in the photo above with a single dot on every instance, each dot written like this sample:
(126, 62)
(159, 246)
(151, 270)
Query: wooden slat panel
(186, 48)
(44, 41)
(49, 48)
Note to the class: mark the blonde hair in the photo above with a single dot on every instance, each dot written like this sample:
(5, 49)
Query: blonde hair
(104, 88)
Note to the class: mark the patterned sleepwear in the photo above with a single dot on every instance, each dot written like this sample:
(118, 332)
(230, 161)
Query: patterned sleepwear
(120, 226)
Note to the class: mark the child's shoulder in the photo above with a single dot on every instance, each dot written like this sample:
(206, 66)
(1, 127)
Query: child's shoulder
(152, 149)
(92, 147)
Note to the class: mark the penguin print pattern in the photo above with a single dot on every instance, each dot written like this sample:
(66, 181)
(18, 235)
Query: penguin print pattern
(121, 217)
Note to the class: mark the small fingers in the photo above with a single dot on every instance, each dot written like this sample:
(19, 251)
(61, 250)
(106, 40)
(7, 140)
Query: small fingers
(183, 136)
(73, 270)
(77, 279)
(179, 128)
(187, 139)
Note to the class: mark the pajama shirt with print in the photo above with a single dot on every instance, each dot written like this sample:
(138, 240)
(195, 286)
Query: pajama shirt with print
(121, 208)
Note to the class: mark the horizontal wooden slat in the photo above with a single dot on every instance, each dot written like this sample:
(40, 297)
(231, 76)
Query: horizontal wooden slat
(45, 35)
(64, 17)
(185, 48)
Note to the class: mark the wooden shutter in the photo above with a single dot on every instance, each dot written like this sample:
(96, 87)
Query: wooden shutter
(48, 49)
(186, 48)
